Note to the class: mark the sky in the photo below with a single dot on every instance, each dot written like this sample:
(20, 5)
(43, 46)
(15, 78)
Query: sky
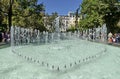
(62, 7)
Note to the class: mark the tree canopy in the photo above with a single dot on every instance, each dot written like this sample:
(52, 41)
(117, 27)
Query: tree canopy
(25, 13)
(97, 12)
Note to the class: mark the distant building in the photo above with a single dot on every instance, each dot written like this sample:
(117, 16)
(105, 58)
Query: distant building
(66, 21)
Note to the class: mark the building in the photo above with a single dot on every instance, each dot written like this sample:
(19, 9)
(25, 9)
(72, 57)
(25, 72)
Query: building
(66, 21)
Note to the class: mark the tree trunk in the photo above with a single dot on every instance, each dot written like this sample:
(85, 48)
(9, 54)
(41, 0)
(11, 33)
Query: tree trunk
(10, 15)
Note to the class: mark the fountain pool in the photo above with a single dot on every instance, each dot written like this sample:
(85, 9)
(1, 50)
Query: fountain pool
(62, 55)
(104, 66)
(43, 55)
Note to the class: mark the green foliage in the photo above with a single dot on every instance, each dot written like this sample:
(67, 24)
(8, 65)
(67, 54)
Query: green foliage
(3, 11)
(25, 13)
(3, 27)
(97, 12)
(90, 12)
(72, 29)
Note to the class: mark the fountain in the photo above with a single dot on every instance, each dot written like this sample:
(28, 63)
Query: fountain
(36, 55)
(43, 47)
(57, 29)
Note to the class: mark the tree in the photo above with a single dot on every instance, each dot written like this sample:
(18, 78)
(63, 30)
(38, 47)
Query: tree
(5, 8)
(90, 12)
(24, 13)
(98, 12)
(76, 17)
(112, 15)
(72, 28)
(29, 14)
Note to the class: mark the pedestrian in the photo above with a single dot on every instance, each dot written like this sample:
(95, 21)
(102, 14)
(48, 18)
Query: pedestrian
(110, 40)
(113, 39)
(110, 35)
